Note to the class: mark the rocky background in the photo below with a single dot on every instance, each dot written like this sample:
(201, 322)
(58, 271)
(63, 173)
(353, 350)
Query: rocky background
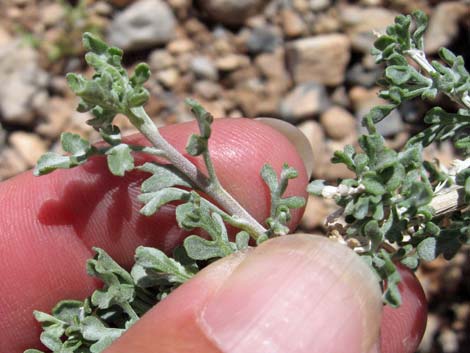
(305, 61)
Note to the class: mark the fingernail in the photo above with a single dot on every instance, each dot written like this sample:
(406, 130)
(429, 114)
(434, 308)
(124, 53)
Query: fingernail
(296, 294)
(296, 137)
(375, 348)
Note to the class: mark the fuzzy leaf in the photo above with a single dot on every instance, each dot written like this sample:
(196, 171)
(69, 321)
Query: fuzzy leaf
(270, 178)
(202, 249)
(154, 260)
(51, 161)
(163, 176)
(427, 249)
(111, 134)
(155, 200)
(316, 187)
(94, 330)
(120, 159)
(74, 144)
(197, 145)
(242, 239)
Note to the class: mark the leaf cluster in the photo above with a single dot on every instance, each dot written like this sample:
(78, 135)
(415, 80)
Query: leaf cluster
(402, 43)
(90, 326)
(387, 207)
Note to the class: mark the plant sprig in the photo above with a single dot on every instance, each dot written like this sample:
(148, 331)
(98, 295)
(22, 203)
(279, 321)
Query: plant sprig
(92, 325)
(399, 207)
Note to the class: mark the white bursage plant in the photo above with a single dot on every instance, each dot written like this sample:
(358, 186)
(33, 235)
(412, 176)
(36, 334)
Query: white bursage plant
(398, 209)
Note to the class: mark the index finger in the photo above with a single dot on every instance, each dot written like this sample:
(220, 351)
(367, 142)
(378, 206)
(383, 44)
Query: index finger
(49, 224)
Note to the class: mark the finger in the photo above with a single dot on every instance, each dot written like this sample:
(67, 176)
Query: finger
(51, 222)
(403, 327)
(296, 294)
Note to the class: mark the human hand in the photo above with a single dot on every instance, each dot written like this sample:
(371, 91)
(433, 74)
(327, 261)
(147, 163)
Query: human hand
(292, 294)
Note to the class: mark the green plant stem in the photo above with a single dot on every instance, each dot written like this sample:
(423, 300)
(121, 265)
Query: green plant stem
(142, 121)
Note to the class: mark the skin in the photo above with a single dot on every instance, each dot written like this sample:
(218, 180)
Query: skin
(49, 224)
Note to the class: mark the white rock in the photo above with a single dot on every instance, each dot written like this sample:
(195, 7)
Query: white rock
(144, 24)
(321, 58)
(23, 83)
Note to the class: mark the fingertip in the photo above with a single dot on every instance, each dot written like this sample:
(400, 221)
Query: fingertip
(402, 328)
(297, 294)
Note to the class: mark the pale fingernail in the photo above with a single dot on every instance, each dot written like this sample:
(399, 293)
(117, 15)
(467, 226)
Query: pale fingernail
(375, 348)
(296, 294)
(296, 137)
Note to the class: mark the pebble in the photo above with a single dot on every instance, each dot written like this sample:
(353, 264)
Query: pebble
(29, 146)
(51, 13)
(361, 23)
(161, 59)
(144, 24)
(319, 5)
(207, 89)
(11, 163)
(231, 12)
(5, 37)
(23, 86)
(292, 23)
(231, 62)
(315, 213)
(338, 123)
(179, 46)
(316, 138)
(271, 65)
(359, 75)
(203, 67)
(321, 58)
(363, 100)
(168, 77)
(444, 25)
(56, 115)
(303, 101)
(263, 39)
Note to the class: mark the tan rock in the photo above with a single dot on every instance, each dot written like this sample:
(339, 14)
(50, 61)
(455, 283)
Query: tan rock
(364, 99)
(305, 100)
(207, 89)
(292, 23)
(161, 59)
(444, 24)
(51, 13)
(5, 37)
(179, 46)
(361, 23)
(315, 214)
(316, 137)
(29, 146)
(11, 163)
(322, 59)
(271, 65)
(338, 123)
(56, 115)
(168, 77)
(232, 62)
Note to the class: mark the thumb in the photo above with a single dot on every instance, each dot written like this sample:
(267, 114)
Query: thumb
(297, 293)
